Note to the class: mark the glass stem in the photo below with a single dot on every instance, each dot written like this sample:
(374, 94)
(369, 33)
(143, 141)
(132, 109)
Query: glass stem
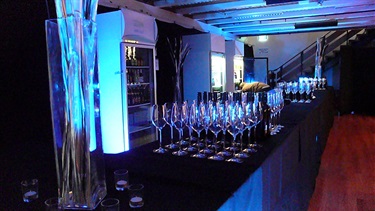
(241, 142)
(255, 133)
(206, 139)
(180, 138)
(160, 137)
(171, 134)
(275, 122)
(190, 136)
(223, 139)
(215, 147)
(198, 145)
(270, 123)
(249, 136)
(234, 144)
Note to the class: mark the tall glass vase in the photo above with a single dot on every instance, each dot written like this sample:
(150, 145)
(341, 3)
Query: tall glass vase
(74, 98)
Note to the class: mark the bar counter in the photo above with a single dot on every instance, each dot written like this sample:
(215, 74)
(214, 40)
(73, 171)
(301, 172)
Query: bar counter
(280, 176)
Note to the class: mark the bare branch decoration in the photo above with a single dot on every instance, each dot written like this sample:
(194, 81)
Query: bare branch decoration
(178, 53)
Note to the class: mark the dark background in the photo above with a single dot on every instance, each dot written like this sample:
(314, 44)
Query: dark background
(25, 111)
(26, 128)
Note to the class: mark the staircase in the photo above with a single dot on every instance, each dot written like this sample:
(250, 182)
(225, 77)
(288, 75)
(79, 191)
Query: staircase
(303, 64)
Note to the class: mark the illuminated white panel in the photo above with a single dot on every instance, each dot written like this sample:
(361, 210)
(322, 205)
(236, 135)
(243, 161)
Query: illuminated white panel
(114, 126)
(218, 67)
(262, 38)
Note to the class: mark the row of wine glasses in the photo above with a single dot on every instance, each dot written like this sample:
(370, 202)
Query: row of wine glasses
(297, 92)
(275, 101)
(317, 83)
(228, 117)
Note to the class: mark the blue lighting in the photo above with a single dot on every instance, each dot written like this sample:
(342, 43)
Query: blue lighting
(112, 110)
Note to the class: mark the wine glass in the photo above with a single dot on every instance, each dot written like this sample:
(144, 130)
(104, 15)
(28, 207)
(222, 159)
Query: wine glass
(249, 124)
(319, 83)
(205, 111)
(157, 119)
(288, 89)
(282, 85)
(190, 147)
(272, 104)
(224, 124)
(179, 118)
(196, 121)
(258, 116)
(294, 91)
(315, 83)
(234, 130)
(308, 93)
(241, 127)
(314, 87)
(280, 102)
(168, 120)
(215, 128)
(244, 97)
(324, 83)
(302, 89)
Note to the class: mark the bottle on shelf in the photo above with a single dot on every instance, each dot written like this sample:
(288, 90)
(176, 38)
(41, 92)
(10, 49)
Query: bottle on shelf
(140, 77)
(139, 61)
(138, 94)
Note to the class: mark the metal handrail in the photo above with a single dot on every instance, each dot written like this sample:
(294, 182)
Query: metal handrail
(331, 38)
(299, 53)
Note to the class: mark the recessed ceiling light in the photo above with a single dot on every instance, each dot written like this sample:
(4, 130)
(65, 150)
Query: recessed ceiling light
(262, 38)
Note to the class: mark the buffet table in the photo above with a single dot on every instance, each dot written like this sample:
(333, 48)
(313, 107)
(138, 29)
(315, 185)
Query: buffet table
(280, 176)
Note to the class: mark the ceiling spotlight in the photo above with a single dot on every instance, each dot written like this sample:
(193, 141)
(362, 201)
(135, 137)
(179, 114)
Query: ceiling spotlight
(262, 38)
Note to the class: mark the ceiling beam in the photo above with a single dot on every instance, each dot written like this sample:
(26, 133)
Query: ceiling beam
(289, 29)
(293, 14)
(280, 22)
(280, 9)
(166, 16)
(243, 4)
(176, 3)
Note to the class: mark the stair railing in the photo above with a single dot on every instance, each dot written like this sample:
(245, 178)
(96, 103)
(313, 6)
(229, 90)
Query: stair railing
(296, 65)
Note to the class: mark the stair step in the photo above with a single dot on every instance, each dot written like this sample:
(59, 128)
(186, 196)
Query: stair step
(364, 39)
(370, 32)
(353, 42)
(330, 57)
(336, 52)
(361, 37)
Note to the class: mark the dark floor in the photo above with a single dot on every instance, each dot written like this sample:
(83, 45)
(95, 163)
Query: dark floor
(346, 176)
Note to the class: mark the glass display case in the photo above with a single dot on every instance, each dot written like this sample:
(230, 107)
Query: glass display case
(217, 72)
(238, 71)
(138, 92)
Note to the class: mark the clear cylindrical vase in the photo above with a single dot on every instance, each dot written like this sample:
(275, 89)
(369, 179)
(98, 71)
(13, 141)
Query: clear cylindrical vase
(75, 108)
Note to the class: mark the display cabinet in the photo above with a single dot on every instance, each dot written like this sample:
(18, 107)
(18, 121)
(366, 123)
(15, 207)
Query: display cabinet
(138, 91)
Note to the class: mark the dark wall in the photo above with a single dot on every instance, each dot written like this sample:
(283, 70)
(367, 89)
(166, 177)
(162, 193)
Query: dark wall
(357, 76)
(26, 142)
(165, 75)
(25, 113)
(25, 109)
